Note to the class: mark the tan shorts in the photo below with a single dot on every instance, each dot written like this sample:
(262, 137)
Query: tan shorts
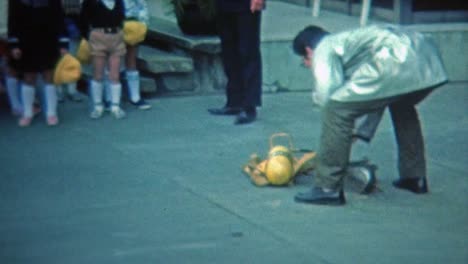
(106, 44)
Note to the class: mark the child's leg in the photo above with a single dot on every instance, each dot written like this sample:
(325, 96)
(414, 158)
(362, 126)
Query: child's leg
(28, 92)
(131, 72)
(60, 92)
(72, 93)
(133, 78)
(13, 92)
(51, 99)
(96, 87)
(115, 86)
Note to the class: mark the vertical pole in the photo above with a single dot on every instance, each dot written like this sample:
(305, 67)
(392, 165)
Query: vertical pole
(349, 5)
(403, 11)
(3, 18)
(316, 8)
(366, 4)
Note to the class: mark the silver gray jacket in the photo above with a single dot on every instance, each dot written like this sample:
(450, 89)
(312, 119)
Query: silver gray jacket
(374, 62)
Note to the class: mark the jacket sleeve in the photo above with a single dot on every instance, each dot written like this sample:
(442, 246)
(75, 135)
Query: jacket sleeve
(328, 72)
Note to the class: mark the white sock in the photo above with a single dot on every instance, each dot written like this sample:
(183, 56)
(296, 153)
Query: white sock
(50, 99)
(116, 93)
(27, 95)
(13, 94)
(71, 88)
(133, 81)
(96, 92)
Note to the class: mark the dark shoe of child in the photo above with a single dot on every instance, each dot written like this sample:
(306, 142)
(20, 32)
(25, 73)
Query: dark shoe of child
(141, 104)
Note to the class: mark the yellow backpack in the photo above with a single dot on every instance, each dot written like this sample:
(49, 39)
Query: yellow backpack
(281, 165)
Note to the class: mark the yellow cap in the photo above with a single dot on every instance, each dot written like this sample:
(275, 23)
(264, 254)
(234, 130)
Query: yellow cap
(84, 52)
(67, 70)
(134, 32)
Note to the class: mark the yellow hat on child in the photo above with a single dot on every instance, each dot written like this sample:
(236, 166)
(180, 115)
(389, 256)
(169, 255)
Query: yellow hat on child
(83, 54)
(68, 70)
(134, 32)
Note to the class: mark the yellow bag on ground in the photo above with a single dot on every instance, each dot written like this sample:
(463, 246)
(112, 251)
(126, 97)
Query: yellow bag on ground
(280, 167)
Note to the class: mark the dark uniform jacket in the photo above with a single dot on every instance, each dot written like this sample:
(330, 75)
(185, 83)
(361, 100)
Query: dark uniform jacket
(37, 27)
(95, 15)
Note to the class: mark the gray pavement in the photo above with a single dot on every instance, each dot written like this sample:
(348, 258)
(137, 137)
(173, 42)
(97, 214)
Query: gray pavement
(165, 186)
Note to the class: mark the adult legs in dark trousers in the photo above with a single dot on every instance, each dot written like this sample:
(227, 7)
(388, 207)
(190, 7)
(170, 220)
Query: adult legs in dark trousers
(240, 43)
(336, 138)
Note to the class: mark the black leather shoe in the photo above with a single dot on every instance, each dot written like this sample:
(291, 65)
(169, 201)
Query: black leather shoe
(418, 185)
(317, 195)
(245, 117)
(227, 110)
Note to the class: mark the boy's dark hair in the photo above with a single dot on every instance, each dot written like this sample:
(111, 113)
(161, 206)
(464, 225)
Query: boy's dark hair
(308, 37)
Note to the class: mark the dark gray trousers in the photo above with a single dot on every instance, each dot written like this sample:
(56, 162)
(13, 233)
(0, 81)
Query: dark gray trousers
(338, 120)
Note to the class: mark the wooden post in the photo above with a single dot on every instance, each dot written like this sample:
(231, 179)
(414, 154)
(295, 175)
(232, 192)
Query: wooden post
(316, 8)
(366, 5)
(349, 6)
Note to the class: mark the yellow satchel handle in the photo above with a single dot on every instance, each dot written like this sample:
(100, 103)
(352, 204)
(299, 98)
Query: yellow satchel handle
(281, 134)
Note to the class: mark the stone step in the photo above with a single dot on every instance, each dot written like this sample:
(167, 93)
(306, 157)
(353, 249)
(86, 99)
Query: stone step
(156, 61)
(153, 63)
(163, 30)
(147, 84)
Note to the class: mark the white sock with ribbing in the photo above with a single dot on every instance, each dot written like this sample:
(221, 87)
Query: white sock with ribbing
(50, 99)
(116, 94)
(28, 93)
(96, 92)
(13, 92)
(133, 81)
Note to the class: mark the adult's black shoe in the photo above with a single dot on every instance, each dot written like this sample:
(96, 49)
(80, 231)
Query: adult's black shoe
(245, 117)
(417, 185)
(227, 110)
(317, 195)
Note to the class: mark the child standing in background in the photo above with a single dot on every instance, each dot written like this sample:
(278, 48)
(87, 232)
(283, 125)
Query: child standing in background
(101, 24)
(72, 12)
(37, 38)
(135, 10)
